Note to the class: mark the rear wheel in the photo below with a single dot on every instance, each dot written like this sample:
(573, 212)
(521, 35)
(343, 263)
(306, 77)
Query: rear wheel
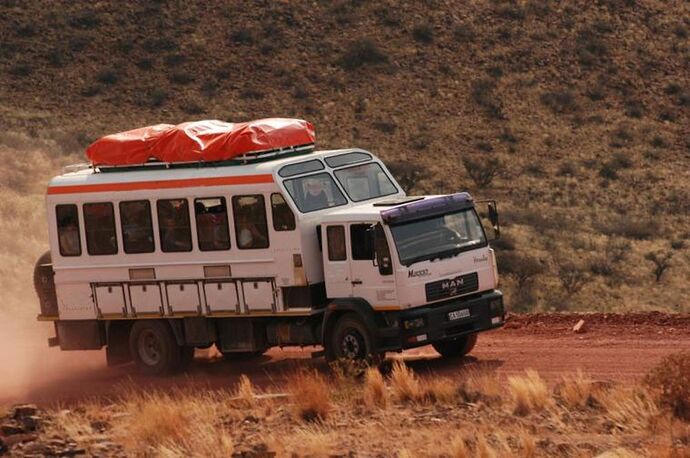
(456, 347)
(154, 348)
(351, 340)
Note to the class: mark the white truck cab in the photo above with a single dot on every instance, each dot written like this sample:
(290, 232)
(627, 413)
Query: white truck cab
(292, 248)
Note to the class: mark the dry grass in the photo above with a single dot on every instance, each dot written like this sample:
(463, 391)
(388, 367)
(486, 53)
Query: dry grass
(529, 393)
(482, 386)
(575, 391)
(670, 382)
(245, 392)
(311, 396)
(206, 424)
(374, 393)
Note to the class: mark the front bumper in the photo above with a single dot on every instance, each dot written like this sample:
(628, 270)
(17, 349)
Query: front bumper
(433, 322)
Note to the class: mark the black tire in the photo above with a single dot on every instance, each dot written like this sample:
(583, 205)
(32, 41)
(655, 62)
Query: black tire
(44, 259)
(186, 357)
(351, 340)
(456, 347)
(153, 347)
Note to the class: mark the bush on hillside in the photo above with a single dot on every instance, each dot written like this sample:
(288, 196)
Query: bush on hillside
(669, 380)
(360, 53)
(482, 170)
(407, 174)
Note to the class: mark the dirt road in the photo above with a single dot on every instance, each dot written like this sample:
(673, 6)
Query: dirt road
(613, 347)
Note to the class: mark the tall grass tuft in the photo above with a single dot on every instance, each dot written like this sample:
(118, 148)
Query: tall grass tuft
(312, 400)
(529, 392)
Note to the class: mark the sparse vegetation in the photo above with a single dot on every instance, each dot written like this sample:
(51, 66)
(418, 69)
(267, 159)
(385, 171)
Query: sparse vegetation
(661, 262)
(669, 382)
(360, 53)
(482, 170)
(407, 174)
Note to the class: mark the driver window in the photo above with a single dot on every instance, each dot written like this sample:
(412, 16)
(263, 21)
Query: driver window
(360, 242)
(336, 243)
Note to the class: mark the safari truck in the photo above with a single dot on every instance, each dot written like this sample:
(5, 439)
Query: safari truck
(267, 243)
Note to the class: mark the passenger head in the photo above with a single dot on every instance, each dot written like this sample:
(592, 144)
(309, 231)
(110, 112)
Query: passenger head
(314, 187)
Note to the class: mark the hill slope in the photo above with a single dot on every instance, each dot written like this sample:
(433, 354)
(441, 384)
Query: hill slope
(582, 108)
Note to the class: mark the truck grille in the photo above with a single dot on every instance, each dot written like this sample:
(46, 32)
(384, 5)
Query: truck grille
(450, 287)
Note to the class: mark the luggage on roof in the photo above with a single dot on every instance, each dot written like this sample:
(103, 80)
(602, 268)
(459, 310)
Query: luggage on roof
(196, 141)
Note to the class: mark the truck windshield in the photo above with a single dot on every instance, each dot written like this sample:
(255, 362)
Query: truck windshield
(438, 237)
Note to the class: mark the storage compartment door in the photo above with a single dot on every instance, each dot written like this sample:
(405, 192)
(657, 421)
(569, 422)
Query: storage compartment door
(258, 296)
(110, 300)
(183, 297)
(145, 298)
(221, 296)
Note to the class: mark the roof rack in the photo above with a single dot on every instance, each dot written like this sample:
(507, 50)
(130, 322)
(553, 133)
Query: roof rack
(247, 158)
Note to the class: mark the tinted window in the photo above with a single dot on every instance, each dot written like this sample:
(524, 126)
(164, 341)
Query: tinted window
(137, 229)
(283, 218)
(315, 192)
(173, 225)
(99, 223)
(345, 159)
(212, 224)
(366, 181)
(361, 242)
(336, 243)
(68, 230)
(251, 229)
(300, 168)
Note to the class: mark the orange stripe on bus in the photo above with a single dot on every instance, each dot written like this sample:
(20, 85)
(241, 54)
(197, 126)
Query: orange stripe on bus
(161, 184)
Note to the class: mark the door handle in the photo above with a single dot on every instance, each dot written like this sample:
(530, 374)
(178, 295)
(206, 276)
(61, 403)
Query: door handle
(356, 282)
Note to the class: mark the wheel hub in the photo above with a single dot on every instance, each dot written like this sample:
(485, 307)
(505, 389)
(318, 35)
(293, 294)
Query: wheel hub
(352, 345)
(150, 348)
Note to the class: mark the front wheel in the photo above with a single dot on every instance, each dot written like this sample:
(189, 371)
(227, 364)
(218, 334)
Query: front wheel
(351, 340)
(455, 347)
(154, 348)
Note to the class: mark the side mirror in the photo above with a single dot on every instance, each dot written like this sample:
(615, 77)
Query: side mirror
(493, 218)
(382, 255)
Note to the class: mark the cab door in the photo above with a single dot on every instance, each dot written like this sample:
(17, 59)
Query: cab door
(371, 273)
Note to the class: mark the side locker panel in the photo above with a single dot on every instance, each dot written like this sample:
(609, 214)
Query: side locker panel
(258, 296)
(145, 298)
(183, 297)
(221, 296)
(110, 299)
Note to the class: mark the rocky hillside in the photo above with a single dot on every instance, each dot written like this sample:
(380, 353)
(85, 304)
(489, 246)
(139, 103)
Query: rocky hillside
(573, 114)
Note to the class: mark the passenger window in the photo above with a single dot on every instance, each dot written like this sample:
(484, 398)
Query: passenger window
(336, 243)
(283, 218)
(360, 242)
(173, 225)
(251, 228)
(68, 230)
(314, 192)
(212, 224)
(137, 229)
(99, 223)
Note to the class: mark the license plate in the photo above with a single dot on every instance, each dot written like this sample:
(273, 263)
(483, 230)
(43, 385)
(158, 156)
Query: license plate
(457, 314)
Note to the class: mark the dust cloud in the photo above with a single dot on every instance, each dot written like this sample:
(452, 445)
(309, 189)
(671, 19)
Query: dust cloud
(28, 367)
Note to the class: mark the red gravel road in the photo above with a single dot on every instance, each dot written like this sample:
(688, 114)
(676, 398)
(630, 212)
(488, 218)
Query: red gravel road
(613, 347)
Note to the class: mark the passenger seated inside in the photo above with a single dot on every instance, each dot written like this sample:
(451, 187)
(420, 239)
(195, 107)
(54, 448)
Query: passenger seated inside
(248, 234)
(315, 197)
(69, 236)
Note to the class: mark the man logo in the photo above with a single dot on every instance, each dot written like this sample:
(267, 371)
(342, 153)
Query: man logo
(453, 285)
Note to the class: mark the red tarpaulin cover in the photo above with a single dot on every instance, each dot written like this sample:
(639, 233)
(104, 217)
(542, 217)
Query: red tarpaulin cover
(199, 141)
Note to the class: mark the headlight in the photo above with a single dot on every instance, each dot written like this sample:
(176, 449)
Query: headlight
(413, 323)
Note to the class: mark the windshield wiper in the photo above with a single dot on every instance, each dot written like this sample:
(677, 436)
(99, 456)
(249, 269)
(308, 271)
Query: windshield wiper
(432, 256)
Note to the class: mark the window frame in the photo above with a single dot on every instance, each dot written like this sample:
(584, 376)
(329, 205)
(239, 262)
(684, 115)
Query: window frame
(293, 226)
(340, 227)
(236, 221)
(369, 242)
(345, 188)
(160, 227)
(284, 171)
(227, 224)
(57, 227)
(86, 228)
(334, 157)
(150, 226)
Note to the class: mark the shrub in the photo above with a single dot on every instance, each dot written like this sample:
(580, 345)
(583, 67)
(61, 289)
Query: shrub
(559, 102)
(482, 170)
(590, 47)
(567, 168)
(575, 391)
(192, 108)
(464, 33)
(405, 384)
(360, 53)
(661, 261)
(157, 97)
(311, 396)
(375, 394)
(107, 77)
(571, 276)
(407, 174)
(181, 78)
(522, 267)
(669, 381)
(483, 94)
(423, 33)
(173, 60)
(21, 70)
(634, 108)
(144, 64)
(529, 392)
(385, 127)
(638, 228)
(658, 142)
(512, 12)
(242, 36)
(84, 20)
